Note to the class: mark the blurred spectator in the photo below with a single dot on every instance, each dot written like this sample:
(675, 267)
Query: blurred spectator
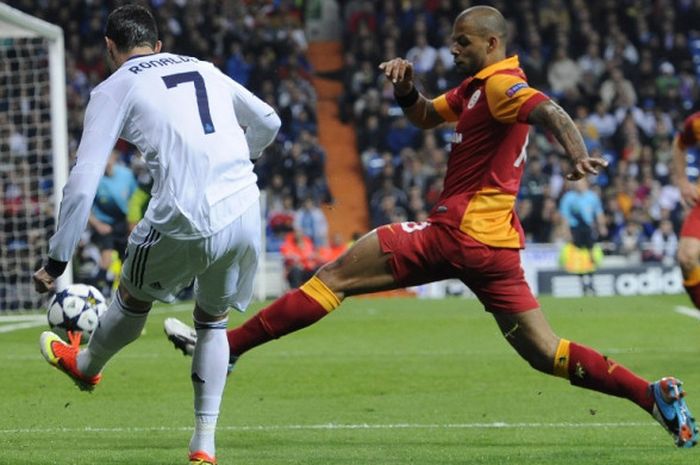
(582, 210)
(591, 62)
(564, 74)
(604, 122)
(334, 249)
(664, 243)
(108, 217)
(312, 222)
(238, 65)
(280, 221)
(401, 134)
(422, 55)
(629, 240)
(138, 202)
(300, 258)
(616, 90)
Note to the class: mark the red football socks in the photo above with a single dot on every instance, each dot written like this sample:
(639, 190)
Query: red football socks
(694, 293)
(691, 283)
(294, 310)
(592, 370)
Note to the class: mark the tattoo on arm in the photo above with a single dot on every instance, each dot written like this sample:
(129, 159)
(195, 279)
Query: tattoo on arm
(552, 117)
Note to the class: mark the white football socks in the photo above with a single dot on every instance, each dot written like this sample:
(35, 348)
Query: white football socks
(118, 327)
(209, 370)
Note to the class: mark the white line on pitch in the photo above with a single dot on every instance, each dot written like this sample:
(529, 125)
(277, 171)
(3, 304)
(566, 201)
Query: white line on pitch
(14, 318)
(25, 325)
(333, 426)
(691, 312)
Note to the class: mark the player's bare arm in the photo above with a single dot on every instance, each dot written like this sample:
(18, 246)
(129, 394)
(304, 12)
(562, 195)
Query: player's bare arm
(689, 191)
(418, 109)
(552, 117)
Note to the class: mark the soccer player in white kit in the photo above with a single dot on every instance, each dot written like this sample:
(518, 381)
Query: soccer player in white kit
(197, 130)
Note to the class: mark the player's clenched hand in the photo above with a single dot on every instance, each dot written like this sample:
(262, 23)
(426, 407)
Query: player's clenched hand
(43, 282)
(689, 194)
(399, 72)
(586, 166)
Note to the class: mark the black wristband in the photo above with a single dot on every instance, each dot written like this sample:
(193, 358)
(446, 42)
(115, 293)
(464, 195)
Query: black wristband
(409, 99)
(55, 268)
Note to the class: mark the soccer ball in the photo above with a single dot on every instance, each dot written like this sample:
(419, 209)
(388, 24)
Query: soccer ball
(76, 308)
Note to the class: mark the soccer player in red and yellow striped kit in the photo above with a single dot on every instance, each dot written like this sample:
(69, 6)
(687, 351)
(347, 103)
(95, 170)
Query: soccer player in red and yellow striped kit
(473, 233)
(689, 244)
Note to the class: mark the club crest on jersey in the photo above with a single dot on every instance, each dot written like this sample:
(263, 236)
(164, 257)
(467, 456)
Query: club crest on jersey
(474, 98)
(515, 88)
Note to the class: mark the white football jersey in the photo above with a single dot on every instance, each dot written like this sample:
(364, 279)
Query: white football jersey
(197, 130)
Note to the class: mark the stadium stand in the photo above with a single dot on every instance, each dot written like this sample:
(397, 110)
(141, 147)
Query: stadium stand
(259, 43)
(626, 72)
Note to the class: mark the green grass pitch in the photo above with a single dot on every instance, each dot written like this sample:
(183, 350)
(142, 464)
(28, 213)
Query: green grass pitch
(380, 381)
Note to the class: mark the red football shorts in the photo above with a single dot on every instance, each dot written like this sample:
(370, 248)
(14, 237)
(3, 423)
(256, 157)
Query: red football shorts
(691, 224)
(426, 252)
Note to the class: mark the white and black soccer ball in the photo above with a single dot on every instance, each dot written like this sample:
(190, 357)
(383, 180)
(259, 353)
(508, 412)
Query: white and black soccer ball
(76, 308)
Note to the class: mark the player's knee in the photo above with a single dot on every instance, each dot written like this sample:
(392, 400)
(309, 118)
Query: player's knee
(132, 302)
(205, 316)
(687, 257)
(331, 275)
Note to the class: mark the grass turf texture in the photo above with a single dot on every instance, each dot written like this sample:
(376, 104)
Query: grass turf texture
(380, 381)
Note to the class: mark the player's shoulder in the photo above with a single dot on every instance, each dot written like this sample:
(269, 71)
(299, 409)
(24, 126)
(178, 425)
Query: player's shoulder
(508, 81)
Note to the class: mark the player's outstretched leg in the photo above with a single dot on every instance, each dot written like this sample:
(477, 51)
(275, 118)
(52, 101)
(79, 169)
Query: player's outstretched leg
(663, 399)
(64, 357)
(530, 334)
(295, 310)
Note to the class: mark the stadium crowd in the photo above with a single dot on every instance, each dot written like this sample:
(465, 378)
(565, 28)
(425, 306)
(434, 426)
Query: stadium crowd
(624, 70)
(259, 44)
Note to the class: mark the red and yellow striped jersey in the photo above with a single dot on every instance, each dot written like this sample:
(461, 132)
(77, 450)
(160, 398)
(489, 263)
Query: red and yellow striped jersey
(488, 153)
(690, 135)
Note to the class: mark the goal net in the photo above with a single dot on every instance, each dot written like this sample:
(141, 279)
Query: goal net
(33, 150)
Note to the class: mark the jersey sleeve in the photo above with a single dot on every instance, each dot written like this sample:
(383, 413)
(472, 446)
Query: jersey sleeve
(510, 98)
(449, 104)
(690, 135)
(259, 119)
(103, 123)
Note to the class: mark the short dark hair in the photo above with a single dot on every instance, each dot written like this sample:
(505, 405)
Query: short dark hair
(131, 26)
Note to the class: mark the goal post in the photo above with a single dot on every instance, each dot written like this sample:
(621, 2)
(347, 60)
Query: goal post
(34, 156)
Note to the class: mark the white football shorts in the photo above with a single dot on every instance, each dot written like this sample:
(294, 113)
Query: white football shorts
(158, 267)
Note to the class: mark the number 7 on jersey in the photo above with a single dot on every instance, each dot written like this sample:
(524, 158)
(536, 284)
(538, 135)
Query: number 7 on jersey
(200, 91)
